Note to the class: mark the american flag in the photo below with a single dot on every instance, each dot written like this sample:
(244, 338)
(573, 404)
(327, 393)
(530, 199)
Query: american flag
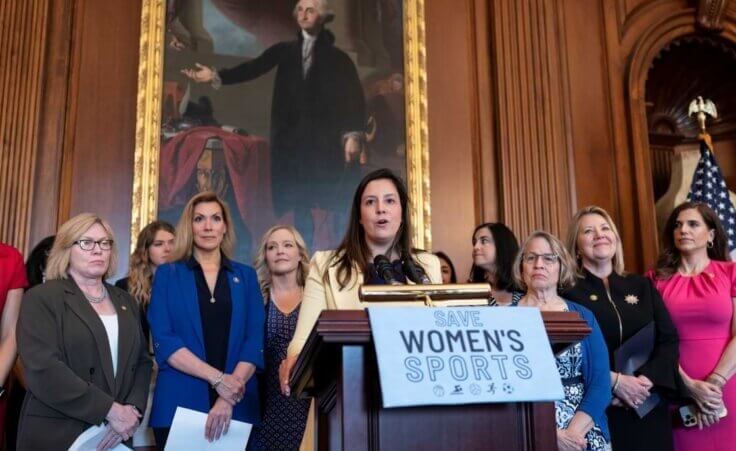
(710, 187)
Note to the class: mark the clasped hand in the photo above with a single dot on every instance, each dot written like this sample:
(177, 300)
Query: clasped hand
(632, 390)
(122, 420)
(231, 389)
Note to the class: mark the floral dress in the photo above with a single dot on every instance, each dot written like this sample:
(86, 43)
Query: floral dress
(284, 418)
(568, 364)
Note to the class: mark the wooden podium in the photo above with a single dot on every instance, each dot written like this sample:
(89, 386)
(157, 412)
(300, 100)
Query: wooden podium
(338, 367)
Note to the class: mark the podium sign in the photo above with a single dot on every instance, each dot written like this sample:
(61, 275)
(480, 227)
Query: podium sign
(463, 355)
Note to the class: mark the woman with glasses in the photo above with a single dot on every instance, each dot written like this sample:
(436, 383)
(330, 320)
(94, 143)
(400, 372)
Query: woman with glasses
(80, 340)
(625, 304)
(207, 318)
(544, 268)
(494, 250)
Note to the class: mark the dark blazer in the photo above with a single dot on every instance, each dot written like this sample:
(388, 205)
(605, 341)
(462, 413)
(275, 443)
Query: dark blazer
(176, 323)
(308, 119)
(66, 354)
(634, 303)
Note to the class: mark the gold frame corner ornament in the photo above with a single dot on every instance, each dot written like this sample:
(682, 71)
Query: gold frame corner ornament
(148, 119)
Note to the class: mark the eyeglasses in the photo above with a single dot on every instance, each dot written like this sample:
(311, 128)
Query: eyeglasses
(88, 245)
(548, 259)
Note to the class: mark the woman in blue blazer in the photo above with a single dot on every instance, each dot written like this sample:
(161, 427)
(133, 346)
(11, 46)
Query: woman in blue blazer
(206, 316)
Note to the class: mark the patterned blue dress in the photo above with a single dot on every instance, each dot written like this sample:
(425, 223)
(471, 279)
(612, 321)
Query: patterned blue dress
(284, 418)
(569, 365)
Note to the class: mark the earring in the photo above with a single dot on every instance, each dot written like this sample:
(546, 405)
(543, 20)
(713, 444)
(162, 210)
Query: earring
(710, 245)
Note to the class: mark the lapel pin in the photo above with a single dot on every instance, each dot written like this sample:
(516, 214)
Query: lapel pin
(593, 297)
(125, 308)
(236, 280)
(631, 299)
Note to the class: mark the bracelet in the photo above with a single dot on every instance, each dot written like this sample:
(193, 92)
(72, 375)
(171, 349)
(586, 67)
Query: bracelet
(720, 376)
(720, 383)
(218, 379)
(615, 383)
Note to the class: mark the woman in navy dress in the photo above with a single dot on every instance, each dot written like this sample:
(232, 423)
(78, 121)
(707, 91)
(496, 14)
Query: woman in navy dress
(282, 264)
(206, 318)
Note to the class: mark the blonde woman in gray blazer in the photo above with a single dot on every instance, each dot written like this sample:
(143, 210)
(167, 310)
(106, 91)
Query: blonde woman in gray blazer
(80, 341)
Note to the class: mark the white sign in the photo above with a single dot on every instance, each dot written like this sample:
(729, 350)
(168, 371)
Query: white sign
(463, 355)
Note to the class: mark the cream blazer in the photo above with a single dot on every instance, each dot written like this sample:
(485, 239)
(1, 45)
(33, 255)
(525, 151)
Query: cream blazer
(318, 296)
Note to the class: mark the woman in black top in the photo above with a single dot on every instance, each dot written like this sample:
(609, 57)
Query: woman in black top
(623, 304)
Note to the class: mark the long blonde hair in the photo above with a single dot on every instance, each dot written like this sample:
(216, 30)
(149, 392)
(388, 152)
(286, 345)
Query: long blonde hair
(264, 274)
(69, 232)
(572, 238)
(140, 271)
(184, 240)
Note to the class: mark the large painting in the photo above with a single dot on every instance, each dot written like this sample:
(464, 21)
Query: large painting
(279, 106)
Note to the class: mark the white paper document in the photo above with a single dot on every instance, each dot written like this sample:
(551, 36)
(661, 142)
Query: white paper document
(89, 439)
(187, 433)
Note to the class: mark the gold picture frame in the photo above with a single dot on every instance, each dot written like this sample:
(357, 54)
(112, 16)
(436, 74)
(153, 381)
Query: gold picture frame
(149, 104)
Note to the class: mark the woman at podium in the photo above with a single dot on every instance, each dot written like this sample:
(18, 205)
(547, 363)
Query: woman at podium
(378, 226)
(625, 304)
(543, 268)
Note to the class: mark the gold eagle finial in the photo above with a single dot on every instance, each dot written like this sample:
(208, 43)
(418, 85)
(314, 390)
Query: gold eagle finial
(700, 108)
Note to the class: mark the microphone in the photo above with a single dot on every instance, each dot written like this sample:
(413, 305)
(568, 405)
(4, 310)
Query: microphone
(414, 272)
(385, 269)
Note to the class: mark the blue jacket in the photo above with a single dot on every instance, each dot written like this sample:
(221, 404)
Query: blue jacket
(176, 323)
(596, 371)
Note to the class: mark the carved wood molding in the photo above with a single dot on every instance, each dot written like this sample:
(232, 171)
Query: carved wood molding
(22, 42)
(651, 40)
(710, 13)
(532, 107)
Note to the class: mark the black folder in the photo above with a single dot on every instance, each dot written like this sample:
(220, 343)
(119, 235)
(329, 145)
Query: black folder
(632, 355)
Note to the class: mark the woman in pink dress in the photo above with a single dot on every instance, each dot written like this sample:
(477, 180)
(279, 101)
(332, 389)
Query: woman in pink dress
(698, 284)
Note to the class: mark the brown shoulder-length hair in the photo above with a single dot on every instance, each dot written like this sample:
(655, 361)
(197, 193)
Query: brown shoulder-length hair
(353, 251)
(140, 270)
(669, 258)
(184, 240)
(261, 265)
(568, 268)
(574, 229)
(57, 264)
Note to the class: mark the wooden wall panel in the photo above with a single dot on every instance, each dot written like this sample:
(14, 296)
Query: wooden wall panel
(52, 126)
(97, 168)
(589, 106)
(22, 41)
(451, 103)
(531, 115)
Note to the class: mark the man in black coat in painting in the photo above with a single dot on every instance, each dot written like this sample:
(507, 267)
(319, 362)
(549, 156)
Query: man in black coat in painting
(317, 116)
